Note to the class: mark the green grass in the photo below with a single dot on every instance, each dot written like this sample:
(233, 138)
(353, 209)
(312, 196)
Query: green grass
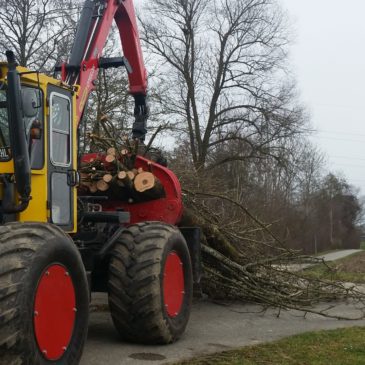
(336, 347)
(349, 269)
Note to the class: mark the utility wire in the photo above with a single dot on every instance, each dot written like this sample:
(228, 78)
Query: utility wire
(347, 157)
(339, 139)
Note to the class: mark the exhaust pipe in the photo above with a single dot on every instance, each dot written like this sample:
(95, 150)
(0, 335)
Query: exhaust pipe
(18, 140)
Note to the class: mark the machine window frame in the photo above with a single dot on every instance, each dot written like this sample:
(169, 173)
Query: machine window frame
(52, 129)
(42, 120)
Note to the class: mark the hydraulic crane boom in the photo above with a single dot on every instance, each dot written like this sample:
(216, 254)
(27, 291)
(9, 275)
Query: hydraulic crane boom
(86, 57)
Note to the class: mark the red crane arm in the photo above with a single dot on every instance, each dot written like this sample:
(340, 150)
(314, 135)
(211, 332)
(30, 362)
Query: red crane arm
(86, 57)
(125, 19)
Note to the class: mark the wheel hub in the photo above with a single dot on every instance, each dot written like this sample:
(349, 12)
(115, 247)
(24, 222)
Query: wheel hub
(54, 312)
(173, 284)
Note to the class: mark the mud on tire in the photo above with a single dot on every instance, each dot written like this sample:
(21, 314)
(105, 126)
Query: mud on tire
(136, 283)
(26, 250)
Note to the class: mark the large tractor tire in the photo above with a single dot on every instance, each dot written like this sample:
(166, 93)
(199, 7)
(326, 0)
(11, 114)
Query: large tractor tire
(150, 284)
(44, 300)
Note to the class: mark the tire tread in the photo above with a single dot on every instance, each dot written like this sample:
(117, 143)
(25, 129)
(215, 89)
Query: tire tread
(134, 266)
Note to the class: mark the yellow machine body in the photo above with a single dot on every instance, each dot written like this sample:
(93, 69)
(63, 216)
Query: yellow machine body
(39, 208)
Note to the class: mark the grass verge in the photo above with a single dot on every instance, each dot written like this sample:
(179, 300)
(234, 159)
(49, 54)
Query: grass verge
(349, 269)
(335, 347)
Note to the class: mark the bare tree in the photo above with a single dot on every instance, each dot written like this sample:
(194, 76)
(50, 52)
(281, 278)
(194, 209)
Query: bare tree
(37, 30)
(221, 61)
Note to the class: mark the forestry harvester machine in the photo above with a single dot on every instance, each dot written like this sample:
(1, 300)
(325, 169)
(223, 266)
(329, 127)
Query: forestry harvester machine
(58, 244)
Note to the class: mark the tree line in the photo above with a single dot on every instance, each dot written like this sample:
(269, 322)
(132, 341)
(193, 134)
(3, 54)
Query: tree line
(221, 89)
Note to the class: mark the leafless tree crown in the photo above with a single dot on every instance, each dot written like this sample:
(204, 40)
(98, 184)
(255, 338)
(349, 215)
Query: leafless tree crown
(222, 62)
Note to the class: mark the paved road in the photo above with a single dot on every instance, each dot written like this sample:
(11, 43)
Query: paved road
(212, 328)
(332, 256)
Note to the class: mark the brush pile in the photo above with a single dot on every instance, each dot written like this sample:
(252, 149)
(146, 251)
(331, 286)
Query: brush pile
(244, 260)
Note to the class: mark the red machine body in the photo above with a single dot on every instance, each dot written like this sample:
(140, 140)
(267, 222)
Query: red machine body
(168, 209)
(82, 71)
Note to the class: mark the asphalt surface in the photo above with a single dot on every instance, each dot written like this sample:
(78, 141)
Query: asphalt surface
(332, 256)
(212, 328)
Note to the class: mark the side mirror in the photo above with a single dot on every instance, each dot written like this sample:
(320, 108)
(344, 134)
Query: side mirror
(30, 101)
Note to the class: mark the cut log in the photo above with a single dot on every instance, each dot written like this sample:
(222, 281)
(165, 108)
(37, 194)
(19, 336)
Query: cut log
(122, 175)
(111, 151)
(110, 158)
(108, 178)
(131, 175)
(115, 173)
(96, 175)
(93, 188)
(124, 180)
(84, 176)
(144, 181)
(101, 185)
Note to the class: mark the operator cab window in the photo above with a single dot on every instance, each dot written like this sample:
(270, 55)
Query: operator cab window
(60, 118)
(36, 146)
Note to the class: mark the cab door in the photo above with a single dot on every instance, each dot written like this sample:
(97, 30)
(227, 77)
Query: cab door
(61, 170)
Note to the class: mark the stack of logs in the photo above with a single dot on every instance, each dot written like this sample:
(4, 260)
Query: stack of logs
(113, 174)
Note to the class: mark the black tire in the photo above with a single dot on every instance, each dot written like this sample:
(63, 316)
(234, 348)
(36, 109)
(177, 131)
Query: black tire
(136, 297)
(26, 251)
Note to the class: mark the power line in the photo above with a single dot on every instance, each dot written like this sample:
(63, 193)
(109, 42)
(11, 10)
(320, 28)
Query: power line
(339, 106)
(348, 165)
(339, 139)
(347, 158)
(339, 132)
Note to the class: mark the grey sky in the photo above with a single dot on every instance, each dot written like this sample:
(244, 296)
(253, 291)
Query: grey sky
(328, 58)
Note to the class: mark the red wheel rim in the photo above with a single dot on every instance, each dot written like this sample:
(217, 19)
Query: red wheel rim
(54, 312)
(173, 284)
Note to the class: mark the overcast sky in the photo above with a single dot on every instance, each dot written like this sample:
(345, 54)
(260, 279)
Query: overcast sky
(328, 58)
